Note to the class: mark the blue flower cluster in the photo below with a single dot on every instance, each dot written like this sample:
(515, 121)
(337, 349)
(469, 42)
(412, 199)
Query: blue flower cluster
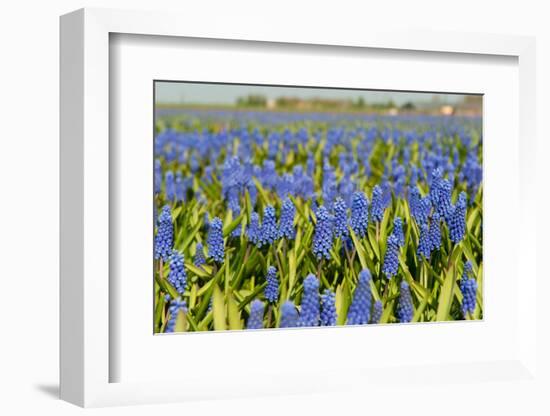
(340, 218)
(289, 315)
(175, 307)
(377, 310)
(253, 231)
(164, 239)
(405, 311)
(377, 205)
(269, 232)
(323, 236)
(457, 226)
(199, 259)
(391, 259)
(286, 223)
(349, 172)
(468, 287)
(271, 292)
(310, 308)
(177, 276)
(397, 231)
(328, 308)
(256, 317)
(359, 310)
(435, 232)
(360, 214)
(216, 248)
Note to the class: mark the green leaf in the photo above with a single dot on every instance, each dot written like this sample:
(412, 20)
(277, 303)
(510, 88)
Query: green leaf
(181, 322)
(218, 309)
(291, 271)
(228, 229)
(199, 271)
(359, 250)
(445, 299)
(234, 314)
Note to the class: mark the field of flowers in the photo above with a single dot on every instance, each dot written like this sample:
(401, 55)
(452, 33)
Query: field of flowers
(277, 220)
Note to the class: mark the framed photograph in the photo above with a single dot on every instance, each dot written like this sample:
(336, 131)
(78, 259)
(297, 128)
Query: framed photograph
(320, 214)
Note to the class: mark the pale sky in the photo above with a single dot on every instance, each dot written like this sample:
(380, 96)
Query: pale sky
(186, 93)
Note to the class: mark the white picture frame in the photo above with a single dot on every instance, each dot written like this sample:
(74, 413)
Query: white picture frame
(86, 355)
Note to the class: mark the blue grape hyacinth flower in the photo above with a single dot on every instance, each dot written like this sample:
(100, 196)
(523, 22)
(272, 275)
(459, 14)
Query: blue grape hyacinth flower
(398, 231)
(359, 310)
(377, 204)
(405, 311)
(435, 232)
(468, 287)
(286, 223)
(443, 204)
(199, 259)
(359, 214)
(424, 244)
(340, 218)
(216, 248)
(457, 226)
(175, 307)
(269, 232)
(328, 308)
(165, 234)
(289, 315)
(256, 317)
(377, 310)
(177, 276)
(253, 229)
(271, 291)
(391, 258)
(322, 238)
(310, 308)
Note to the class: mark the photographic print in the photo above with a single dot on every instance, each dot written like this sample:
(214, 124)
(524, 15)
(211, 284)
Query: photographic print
(295, 207)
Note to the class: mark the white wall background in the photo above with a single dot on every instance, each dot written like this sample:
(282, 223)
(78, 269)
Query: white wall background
(29, 56)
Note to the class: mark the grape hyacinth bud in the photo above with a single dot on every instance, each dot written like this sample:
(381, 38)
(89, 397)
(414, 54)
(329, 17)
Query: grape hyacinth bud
(216, 248)
(377, 310)
(377, 205)
(398, 231)
(175, 307)
(170, 186)
(435, 232)
(322, 239)
(328, 308)
(457, 226)
(256, 317)
(310, 308)
(177, 276)
(391, 258)
(199, 255)
(424, 243)
(359, 310)
(269, 232)
(289, 315)
(286, 224)
(359, 214)
(404, 312)
(165, 234)
(253, 229)
(271, 292)
(340, 218)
